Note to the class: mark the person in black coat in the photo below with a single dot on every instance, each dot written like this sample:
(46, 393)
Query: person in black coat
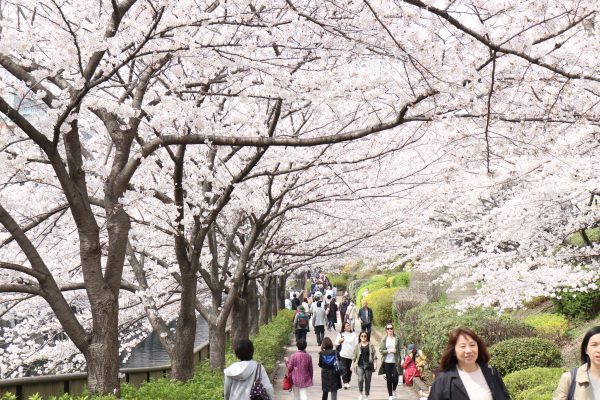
(465, 373)
(330, 381)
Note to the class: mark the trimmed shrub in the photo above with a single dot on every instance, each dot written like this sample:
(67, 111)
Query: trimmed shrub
(542, 392)
(398, 280)
(381, 303)
(522, 353)
(375, 283)
(339, 281)
(429, 326)
(578, 305)
(521, 383)
(550, 326)
(354, 286)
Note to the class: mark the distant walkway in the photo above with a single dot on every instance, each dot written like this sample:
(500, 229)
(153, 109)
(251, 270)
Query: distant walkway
(378, 384)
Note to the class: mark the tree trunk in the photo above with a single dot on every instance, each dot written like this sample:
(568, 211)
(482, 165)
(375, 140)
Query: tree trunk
(216, 337)
(240, 328)
(182, 359)
(273, 298)
(102, 355)
(264, 302)
(281, 294)
(253, 311)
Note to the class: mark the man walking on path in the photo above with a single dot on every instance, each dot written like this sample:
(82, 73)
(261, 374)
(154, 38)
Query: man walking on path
(365, 317)
(319, 319)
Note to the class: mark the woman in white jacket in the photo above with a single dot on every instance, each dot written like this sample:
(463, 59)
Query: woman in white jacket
(239, 376)
(348, 341)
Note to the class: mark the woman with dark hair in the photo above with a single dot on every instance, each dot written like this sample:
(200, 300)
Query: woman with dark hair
(363, 363)
(330, 381)
(465, 373)
(583, 383)
(240, 376)
(391, 356)
(300, 368)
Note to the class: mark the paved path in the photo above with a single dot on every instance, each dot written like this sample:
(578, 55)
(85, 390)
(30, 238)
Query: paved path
(378, 384)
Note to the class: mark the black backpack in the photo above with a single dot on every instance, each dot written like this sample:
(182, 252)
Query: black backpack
(302, 321)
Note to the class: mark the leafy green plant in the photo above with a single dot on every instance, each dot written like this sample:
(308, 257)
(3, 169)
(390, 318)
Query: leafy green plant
(429, 326)
(353, 287)
(381, 302)
(375, 283)
(578, 305)
(340, 281)
(533, 383)
(522, 353)
(401, 279)
(550, 326)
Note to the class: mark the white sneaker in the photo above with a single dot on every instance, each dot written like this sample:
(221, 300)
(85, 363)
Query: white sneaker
(360, 397)
(391, 398)
(394, 395)
(366, 398)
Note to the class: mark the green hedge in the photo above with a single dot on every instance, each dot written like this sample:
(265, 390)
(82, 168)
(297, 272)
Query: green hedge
(550, 326)
(522, 353)
(578, 305)
(207, 383)
(375, 283)
(430, 325)
(381, 302)
(533, 383)
(354, 286)
(339, 281)
(401, 279)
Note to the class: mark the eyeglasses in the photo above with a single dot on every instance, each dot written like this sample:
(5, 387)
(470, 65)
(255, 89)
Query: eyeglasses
(389, 329)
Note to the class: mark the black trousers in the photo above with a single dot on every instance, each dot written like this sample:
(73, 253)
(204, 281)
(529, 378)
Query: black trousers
(391, 376)
(347, 362)
(320, 332)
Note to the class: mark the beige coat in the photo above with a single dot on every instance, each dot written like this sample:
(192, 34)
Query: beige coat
(583, 391)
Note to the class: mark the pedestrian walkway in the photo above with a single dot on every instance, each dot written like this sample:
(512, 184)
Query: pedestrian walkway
(378, 384)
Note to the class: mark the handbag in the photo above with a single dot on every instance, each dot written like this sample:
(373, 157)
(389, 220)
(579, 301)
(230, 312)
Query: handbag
(338, 367)
(258, 391)
(287, 383)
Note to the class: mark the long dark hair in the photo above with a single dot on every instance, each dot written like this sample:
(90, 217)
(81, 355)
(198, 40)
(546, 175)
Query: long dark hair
(585, 359)
(449, 359)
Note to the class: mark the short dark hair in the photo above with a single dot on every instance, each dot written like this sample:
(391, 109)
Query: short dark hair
(326, 344)
(585, 359)
(244, 350)
(301, 344)
(449, 359)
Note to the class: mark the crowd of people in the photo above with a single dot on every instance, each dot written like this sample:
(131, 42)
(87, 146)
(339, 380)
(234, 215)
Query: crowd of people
(464, 372)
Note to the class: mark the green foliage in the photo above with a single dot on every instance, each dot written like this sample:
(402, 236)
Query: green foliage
(8, 396)
(578, 305)
(401, 279)
(429, 326)
(354, 286)
(522, 353)
(340, 281)
(576, 239)
(375, 283)
(381, 302)
(533, 383)
(550, 326)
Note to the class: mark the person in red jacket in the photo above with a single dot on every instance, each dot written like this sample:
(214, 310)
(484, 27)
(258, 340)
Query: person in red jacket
(409, 366)
(300, 368)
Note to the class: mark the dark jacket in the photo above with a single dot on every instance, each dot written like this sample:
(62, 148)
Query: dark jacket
(448, 385)
(330, 381)
(365, 315)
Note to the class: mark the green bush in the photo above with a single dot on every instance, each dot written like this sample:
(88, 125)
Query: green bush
(375, 283)
(339, 281)
(550, 326)
(578, 305)
(401, 279)
(381, 302)
(429, 326)
(522, 353)
(542, 392)
(354, 286)
(520, 382)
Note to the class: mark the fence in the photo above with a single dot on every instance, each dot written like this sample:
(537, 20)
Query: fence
(56, 385)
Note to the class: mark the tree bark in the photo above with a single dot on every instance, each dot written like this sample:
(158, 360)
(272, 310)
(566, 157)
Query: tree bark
(264, 302)
(102, 355)
(182, 359)
(216, 337)
(240, 328)
(253, 310)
